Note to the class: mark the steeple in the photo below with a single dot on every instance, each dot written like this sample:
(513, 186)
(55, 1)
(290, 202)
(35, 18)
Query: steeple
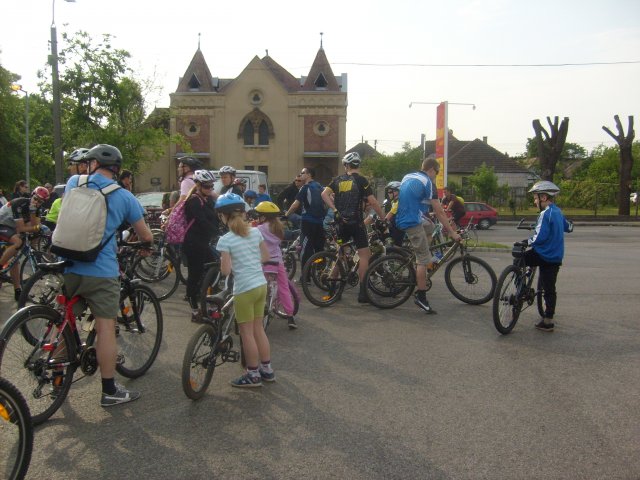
(321, 76)
(197, 77)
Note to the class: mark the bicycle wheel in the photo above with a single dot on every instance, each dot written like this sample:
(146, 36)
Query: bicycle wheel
(470, 238)
(542, 305)
(159, 273)
(28, 266)
(321, 284)
(506, 304)
(41, 289)
(290, 264)
(470, 279)
(16, 432)
(390, 280)
(138, 331)
(44, 376)
(199, 362)
(211, 284)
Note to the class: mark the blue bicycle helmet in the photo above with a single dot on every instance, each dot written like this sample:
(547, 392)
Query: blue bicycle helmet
(230, 202)
(250, 194)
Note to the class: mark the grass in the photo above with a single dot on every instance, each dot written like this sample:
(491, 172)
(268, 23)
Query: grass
(568, 211)
(492, 245)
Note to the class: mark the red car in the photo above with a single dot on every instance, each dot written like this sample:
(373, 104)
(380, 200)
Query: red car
(483, 215)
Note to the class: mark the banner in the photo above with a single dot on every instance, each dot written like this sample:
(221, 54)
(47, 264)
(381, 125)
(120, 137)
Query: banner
(442, 145)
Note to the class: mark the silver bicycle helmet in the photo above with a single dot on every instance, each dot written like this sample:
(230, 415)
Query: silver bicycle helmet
(352, 159)
(203, 176)
(545, 186)
(227, 169)
(76, 155)
(393, 185)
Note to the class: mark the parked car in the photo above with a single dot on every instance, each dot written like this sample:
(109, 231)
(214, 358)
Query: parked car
(252, 177)
(154, 203)
(483, 215)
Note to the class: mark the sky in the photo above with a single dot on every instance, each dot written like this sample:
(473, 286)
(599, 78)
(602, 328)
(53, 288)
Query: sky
(394, 53)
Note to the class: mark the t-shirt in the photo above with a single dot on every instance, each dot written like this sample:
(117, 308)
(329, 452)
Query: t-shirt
(416, 193)
(350, 191)
(19, 208)
(54, 211)
(246, 259)
(272, 242)
(186, 184)
(122, 207)
(313, 207)
(262, 197)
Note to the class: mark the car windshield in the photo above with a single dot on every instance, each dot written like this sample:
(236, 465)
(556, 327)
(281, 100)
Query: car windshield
(151, 199)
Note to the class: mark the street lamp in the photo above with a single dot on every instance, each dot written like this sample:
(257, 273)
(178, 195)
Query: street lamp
(438, 103)
(18, 88)
(55, 85)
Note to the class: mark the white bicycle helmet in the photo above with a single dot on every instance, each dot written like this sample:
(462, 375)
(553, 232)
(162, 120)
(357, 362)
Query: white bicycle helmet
(545, 186)
(352, 159)
(203, 176)
(393, 185)
(76, 155)
(227, 169)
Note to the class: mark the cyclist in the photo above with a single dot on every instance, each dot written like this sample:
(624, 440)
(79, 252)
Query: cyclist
(263, 196)
(51, 218)
(199, 209)
(313, 213)
(287, 197)
(228, 177)
(351, 191)
(547, 246)
(241, 184)
(393, 190)
(20, 190)
(98, 282)
(273, 233)
(453, 205)
(20, 215)
(243, 251)
(250, 198)
(75, 162)
(417, 193)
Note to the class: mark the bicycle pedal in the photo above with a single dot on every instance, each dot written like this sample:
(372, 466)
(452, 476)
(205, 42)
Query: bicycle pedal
(231, 356)
(120, 359)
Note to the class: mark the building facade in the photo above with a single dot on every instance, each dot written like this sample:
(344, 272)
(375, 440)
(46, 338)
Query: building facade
(264, 119)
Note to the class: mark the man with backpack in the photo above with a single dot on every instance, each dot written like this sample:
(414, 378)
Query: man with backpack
(97, 281)
(313, 213)
(351, 191)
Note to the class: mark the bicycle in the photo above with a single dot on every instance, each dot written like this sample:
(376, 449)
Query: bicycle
(211, 345)
(515, 292)
(41, 347)
(391, 279)
(161, 269)
(291, 253)
(326, 274)
(16, 432)
(28, 257)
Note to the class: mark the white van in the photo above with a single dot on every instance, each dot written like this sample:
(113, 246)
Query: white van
(253, 178)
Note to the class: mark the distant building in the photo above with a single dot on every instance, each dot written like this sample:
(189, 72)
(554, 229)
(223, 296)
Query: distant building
(264, 119)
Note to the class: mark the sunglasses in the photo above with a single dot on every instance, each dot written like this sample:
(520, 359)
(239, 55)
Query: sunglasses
(206, 185)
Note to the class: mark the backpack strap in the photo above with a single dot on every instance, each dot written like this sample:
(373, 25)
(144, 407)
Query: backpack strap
(110, 188)
(83, 181)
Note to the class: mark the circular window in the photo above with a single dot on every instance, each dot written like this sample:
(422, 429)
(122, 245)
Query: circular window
(321, 128)
(191, 129)
(255, 97)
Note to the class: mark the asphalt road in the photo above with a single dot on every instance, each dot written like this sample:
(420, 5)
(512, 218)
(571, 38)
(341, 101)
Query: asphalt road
(363, 393)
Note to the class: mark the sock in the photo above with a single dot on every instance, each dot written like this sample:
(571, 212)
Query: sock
(266, 366)
(253, 371)
(108, 386)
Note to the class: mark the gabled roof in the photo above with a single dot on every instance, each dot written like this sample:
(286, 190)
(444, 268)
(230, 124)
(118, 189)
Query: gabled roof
(465, 156)
(321, 76)
(197, 77)
(288, 81)
(364, 150)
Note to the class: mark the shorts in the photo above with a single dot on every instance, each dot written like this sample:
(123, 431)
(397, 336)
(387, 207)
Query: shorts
(249, 305)
(418, 236)
(101, 294)
(357, 231)
(7, 231)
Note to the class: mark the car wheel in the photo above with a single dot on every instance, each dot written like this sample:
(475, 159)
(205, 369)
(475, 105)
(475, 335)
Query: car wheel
(484, 224)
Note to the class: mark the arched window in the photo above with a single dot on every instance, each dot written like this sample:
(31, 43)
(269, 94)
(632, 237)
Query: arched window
(247, 133)
(263, 133)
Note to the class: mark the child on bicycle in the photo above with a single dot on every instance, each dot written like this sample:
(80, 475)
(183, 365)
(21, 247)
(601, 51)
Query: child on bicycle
(243, 251)
(273, 233)
(547, 246)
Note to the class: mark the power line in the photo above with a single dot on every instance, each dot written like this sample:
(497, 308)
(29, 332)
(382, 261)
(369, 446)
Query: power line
(488, 65)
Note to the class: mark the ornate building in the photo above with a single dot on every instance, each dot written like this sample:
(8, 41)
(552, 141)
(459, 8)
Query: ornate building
(264, 119)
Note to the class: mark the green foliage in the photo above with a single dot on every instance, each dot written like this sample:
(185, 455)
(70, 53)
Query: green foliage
(12, 142)
(395, 166)
(485, 181)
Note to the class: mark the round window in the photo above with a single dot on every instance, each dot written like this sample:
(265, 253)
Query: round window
(191, 129)
(321, 128)
(255, 97)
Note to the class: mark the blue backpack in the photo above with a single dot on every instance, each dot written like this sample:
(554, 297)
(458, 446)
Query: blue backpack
(313, 204)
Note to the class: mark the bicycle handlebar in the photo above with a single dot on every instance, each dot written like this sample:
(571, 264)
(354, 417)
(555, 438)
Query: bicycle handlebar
(520, 226)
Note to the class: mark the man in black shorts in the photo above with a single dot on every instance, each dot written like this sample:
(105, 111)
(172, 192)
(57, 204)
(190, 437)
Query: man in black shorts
(351, 190)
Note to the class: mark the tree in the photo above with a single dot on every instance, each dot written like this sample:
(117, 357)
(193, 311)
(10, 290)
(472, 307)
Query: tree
(396, 166)
(485, 181)
(12, 142)
(626, 162)
(550, 147)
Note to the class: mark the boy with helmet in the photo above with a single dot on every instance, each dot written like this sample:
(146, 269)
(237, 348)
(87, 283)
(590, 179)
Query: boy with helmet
(393, 190)
(98, 282)
(547, 246)
(351, 191)
(75, 162)
(250, 198)
(243, 251)
(20, 215)
(228, 177)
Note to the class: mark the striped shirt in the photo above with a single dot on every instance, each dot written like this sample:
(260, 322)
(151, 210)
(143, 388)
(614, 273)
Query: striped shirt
(246, 259)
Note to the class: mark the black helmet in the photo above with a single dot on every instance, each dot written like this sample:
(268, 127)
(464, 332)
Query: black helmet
(106, 155)
(191, 162)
